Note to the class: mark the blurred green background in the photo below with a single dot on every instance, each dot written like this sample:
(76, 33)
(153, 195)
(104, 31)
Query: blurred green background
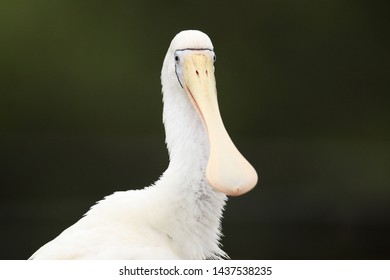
(303, 90)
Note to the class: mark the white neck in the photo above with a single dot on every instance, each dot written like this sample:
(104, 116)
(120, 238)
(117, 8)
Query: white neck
(197, 206)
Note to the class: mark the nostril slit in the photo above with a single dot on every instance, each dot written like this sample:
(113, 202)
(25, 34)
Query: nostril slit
(197, 73)
(207, 73)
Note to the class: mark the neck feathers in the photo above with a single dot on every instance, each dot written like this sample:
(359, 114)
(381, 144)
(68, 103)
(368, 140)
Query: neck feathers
(197, 206)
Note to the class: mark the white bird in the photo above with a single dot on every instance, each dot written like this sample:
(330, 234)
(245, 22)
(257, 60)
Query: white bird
(179, 216)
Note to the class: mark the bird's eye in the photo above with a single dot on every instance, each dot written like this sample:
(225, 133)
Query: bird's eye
(177, 58)
(215, 57)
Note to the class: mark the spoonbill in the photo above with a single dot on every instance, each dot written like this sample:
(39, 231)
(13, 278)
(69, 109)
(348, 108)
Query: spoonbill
(179, 216)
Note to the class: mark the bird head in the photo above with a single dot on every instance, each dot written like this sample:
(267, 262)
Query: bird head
(189, 64)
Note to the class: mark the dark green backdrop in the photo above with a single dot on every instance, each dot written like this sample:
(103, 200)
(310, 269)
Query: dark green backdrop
(303, 89)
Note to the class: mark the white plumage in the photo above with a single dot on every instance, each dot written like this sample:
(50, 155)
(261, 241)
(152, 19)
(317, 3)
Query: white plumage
(178, 217)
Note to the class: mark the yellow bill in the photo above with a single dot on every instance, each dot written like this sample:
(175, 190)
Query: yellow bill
(227, 170)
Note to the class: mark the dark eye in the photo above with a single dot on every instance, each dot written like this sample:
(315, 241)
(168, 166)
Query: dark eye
(215, 57)
(177, 58)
